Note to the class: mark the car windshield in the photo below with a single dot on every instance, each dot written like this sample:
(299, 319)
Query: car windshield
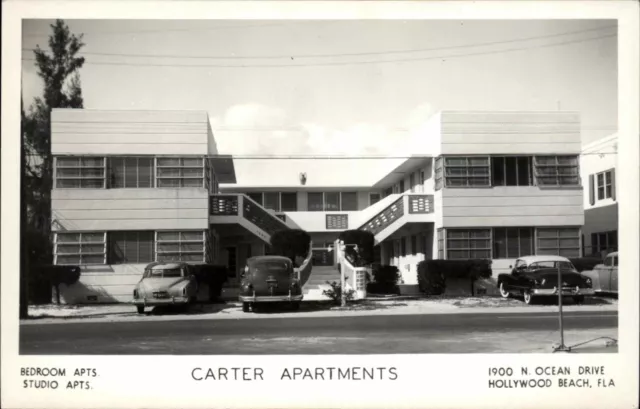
(565, 265)
(279, 268)
(160, 272)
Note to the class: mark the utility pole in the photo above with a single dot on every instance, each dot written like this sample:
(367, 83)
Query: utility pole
(562, 347)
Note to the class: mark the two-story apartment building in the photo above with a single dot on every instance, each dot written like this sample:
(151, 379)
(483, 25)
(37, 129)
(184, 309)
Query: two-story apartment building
(598, 165)
(131, 187)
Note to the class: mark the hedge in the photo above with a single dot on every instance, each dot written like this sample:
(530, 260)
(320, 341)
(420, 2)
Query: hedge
(585, 263)
(365, 242)
(385, 280)
(433, 274)
(214, 276)
(293, 244)
(54, 276)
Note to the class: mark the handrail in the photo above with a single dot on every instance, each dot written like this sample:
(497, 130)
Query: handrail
(383, 219)
(304, 271)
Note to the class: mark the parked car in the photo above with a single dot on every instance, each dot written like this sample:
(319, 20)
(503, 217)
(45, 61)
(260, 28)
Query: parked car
(605, 276)
(537, 276)
(165, 283)
(269, 279)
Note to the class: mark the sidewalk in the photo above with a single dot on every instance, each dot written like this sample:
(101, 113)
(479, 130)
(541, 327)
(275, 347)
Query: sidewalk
(232, 310)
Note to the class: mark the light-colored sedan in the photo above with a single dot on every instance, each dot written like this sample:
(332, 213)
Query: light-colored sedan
(168, 283)
(605, 276)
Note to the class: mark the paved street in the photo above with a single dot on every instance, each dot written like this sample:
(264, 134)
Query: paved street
(434, 333)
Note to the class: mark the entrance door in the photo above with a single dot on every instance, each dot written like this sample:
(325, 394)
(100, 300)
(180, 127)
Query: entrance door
(232, 265)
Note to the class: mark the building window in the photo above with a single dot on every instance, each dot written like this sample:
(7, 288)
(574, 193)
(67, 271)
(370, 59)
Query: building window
(414, 245)
(130, 172)
(180, 246)
(412, 182)
(349, 201)
(466, 171)
(557, 170)
(80, 248)
(468, 244)
(80, 172)
(388, 192)
(315, 201)
(511, 171)
(604, 242)
(401, 186)
(421, 182)
(403, 246)
(332, 201)
(130, 247)
(605, 185)
(288, 202)
(440, 244)
(439, 173)
(512, 242)
(563, 242)
(180, 172)
(374, 198)
(271, 201)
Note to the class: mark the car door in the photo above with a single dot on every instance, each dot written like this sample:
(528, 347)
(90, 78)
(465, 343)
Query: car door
(604, 274)
(614, 275)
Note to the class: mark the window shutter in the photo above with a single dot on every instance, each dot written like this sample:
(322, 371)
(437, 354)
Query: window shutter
(613, 184)
(592, 191)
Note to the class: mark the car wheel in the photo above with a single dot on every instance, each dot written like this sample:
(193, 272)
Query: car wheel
(528, 298)
(504, 293)
(245, 307)
(140, 309)
(579, 299)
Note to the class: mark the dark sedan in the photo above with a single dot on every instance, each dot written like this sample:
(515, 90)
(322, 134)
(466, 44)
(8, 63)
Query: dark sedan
(269, 279)
(537, 276)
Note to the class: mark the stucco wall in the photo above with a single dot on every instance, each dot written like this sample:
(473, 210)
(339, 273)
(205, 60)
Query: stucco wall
(511, 206)
(130, 209)
(98, 132)
(473, 133)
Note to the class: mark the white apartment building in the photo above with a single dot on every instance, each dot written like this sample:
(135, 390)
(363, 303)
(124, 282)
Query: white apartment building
(131, 187)
(598, 165)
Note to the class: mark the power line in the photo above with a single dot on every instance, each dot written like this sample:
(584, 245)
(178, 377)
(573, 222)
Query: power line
(165, 30)
(299, 56)
(442, 57)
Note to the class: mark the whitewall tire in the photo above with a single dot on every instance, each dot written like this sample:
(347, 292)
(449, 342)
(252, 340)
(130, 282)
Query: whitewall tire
(504, 293)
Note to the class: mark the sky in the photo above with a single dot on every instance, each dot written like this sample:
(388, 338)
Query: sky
(340, 87)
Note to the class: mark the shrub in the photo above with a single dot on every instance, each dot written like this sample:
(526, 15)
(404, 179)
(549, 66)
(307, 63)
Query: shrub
(293, 244)
(385, 280)
(54, 276)
(432, 274)
(214, 276)
(431, 280)
(365, 242)
(335, 292)
(585, 263)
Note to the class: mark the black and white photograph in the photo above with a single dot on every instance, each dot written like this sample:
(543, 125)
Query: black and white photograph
(324, 188)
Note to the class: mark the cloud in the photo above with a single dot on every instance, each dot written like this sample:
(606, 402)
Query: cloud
(250, 129)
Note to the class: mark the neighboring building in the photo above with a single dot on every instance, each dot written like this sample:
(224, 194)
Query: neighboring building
(598, 171)
(132, 187)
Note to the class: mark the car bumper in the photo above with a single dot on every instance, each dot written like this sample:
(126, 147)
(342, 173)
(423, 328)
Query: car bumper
(565, 291)
(149, 302)
(270, 298)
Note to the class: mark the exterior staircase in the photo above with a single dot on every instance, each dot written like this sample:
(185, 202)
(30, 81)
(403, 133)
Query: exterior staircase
(317, 282)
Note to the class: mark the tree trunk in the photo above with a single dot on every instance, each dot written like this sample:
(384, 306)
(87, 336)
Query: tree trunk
(57, 287)
(24, 252)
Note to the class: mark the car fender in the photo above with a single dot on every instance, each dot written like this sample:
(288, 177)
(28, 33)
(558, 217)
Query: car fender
(506, 278)
(594, 277)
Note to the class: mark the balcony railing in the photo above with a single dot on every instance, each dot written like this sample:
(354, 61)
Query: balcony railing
(224, 205)
(383, 219)
(230, 205)
(260, 217)
(416, 204)
(420, 204)
(337, 221)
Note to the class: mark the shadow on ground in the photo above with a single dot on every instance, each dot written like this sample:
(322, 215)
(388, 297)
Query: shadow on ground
(313, 306)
